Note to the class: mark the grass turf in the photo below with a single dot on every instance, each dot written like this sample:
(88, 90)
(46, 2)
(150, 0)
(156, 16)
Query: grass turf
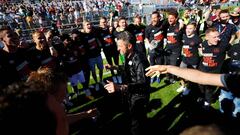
(166, 109)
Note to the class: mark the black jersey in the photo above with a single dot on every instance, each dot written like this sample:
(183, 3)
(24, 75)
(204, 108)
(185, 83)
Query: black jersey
(41, 58)
(92, 44)
(213, 57)
(157, 33)
(70, 59)
(13, 67)
(190, 49)
(81, 48)
(174, 38)
(138, 32)
(107, 41)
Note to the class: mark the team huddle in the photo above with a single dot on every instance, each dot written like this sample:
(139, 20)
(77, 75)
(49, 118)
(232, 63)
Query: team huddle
(166, 41)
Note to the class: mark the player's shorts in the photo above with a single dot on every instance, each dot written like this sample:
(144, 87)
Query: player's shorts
(92, 61)
(77, 78)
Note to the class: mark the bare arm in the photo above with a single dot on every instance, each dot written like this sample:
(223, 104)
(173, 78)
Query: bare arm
(192, 75)
(196, 76)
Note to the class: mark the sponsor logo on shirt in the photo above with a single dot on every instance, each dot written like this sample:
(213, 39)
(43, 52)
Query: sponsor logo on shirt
(186, 51)
(92, 43)
(139, 37)
(171, 38)
(108, 40)
(208, 60)
(158, 36)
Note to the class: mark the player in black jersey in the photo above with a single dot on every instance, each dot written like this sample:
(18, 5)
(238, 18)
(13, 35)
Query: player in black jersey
(13, 63)
(190, 57)
(71, 63)
(174, 42)
(42, 54)
(108, 45)
(155, 34)
(94, 51)
(78, 41)
(138, 30)
(214, 53)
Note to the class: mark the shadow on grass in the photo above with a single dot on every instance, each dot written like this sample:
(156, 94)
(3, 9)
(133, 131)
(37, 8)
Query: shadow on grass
(154, 104)
(180, 113)
(154, 89)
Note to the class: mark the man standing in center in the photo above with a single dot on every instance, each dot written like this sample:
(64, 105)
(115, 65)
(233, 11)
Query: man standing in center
(135, 86)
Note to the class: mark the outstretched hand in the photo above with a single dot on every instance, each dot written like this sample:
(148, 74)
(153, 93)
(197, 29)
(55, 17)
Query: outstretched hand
(111, 87)
(156, 70)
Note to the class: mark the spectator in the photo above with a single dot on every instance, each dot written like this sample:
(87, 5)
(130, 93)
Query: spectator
(25, 109)
(56, 84)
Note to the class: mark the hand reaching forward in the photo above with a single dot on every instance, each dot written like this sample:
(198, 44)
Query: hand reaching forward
(156, 70)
